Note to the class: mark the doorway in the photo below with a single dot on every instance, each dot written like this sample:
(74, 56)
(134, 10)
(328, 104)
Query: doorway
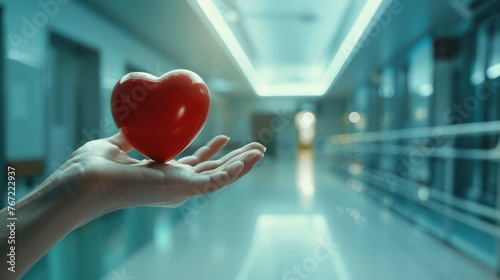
(73, 116)
(263, 133)
(73, 98)
(306, 129)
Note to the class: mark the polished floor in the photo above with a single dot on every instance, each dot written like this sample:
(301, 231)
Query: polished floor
(293, 219)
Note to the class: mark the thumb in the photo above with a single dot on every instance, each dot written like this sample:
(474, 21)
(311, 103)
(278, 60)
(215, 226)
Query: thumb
(120, 141)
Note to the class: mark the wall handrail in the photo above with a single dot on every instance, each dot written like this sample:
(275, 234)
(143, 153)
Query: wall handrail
(433, 152)
(442, 208)
(435, 132)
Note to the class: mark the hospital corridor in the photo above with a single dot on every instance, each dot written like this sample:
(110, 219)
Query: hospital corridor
(314, 225)
(250, 140)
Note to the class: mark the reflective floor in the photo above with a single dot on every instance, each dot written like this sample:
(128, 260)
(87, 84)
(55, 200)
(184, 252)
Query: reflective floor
(293, 219)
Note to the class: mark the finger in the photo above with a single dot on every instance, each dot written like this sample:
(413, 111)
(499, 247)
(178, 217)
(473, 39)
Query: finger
(172, 204)
(210, 165)
(206, 152)
(119, 141)
(223, 165)
(122, 157)
(115, 154)
(249, 162)
(123, 146)
(205, 184)
(219, 180)
(207, 165)
(247, 147)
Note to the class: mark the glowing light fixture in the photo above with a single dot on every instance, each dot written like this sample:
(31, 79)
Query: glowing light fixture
(307, 119)
(421, 71)
(426, 90)
(478, 65)
(388, 82)
(423, 193)
(354, 117)
(302, 87)
(493, 70)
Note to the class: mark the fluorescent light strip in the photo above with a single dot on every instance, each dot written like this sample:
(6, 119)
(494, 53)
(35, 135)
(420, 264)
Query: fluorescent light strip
(352, 40)
(493, 71)
(290, 89)
(225, 33)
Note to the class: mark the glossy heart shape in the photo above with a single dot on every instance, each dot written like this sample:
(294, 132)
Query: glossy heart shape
(160, 117)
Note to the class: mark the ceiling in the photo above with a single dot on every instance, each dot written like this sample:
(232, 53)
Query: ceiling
(175, 29)
(289, 48)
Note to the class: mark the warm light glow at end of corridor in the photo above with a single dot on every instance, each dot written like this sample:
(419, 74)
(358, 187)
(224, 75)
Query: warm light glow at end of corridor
(354, 117)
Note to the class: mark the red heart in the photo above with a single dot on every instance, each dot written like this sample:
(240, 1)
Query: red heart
(160, 117)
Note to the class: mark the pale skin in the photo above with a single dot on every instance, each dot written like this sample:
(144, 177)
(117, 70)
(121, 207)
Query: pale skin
(99, 178)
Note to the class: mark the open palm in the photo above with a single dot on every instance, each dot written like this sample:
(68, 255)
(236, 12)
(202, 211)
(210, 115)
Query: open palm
(121, 181)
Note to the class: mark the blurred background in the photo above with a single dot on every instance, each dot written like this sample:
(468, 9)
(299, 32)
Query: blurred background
(381, 120)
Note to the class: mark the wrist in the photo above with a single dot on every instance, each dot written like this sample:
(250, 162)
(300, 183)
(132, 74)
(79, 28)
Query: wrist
(89, 185)
(47, 214)
(68, 188)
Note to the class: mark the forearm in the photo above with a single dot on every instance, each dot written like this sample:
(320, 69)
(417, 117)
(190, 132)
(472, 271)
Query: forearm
(44, 217)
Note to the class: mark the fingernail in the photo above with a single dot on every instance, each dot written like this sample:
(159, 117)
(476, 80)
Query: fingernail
(265, 149)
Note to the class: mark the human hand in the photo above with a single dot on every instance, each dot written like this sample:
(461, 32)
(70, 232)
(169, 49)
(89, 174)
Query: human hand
(99, 177)
(117, 181)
